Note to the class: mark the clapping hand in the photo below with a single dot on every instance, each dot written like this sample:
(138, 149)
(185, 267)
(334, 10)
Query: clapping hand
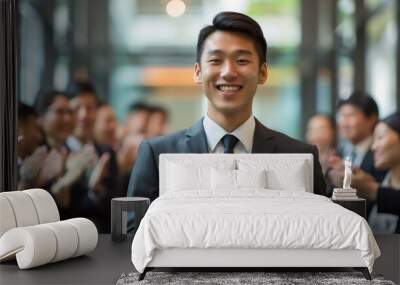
(98, 173)
(53, 165)
(31, 166)
(127, 153)
(336, 171)
(365, 184)
(77, 163)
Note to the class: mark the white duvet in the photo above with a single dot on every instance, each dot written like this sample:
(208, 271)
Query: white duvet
(252, 218)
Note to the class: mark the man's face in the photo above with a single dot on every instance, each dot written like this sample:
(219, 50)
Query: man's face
(84, 107)
(105, 128)
(353, 124)
(29, 136)
(157, 125)
(137, 123)
(229, 72)
(320, 132)
(58, 120)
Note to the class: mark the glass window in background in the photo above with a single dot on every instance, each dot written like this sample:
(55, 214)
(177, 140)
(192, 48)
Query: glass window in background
(346, 42)
(381, 54)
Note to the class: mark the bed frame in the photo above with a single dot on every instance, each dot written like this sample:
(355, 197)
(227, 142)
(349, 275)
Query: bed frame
(242, 259)
(246, 259)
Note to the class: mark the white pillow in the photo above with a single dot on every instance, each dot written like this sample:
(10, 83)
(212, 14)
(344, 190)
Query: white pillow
(281, 174)
(223, 179)
(251, 179)
(237, 179)
(188, 175)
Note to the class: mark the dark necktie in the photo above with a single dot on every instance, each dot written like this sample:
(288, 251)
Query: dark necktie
(229, 142)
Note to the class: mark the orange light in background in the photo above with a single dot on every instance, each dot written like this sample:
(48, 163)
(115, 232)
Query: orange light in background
(175, 8)
(183, 77)
(168, 77)
(279, 76)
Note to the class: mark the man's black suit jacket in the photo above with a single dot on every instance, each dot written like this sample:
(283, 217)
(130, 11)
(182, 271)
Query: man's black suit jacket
(144, 181)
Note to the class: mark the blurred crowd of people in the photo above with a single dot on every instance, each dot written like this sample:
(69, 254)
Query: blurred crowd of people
(73, 146)
(373, 146)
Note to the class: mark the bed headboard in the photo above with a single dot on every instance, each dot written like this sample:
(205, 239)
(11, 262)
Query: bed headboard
(284, 165)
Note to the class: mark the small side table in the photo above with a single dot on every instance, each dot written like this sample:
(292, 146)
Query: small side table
(119, 215)
(358, 205)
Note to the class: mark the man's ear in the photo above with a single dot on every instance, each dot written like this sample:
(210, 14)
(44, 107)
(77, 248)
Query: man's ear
(263, 75)
(197, 74)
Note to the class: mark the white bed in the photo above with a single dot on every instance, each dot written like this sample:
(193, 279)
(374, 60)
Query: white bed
(201, 220)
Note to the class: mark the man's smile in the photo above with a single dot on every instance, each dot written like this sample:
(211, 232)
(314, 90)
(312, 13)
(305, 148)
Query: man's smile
(228, 88)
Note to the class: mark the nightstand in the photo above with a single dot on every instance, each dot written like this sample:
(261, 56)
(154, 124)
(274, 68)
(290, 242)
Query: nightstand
(358, 205)
(120, 210)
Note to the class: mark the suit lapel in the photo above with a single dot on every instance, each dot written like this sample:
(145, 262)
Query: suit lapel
(196, 140)
(263, 141)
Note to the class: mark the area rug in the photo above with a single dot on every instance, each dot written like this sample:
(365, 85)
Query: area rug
(229, 278)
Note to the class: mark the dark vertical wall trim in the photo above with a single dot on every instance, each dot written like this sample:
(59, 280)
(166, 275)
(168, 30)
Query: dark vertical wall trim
(308, 60)
(8, 95)
(361, 46)
(333, 59)
(46, 8)
(398, 58)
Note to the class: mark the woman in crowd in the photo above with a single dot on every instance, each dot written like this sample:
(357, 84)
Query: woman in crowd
(321, 132)
(384, 217)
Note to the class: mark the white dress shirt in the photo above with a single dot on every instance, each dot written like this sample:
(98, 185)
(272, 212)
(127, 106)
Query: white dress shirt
(74, 144)
(214, 134)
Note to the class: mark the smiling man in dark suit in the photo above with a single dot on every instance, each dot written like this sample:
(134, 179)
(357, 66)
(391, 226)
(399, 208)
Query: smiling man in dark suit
(230, 63)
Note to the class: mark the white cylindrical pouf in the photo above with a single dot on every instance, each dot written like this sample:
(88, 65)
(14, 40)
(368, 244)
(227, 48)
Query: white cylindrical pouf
(87, 234)
(23, 207)
(34, 246)
(7, 218)
(45, 205)
(67, 239)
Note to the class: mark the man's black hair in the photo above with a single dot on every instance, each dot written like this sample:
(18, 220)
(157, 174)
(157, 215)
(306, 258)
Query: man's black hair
(159, 109)
(25, 112)
(331, 119)
(362, 101)
(393, 122)
(79, 87)
(234, 22)
(138, 106)
(45, 99)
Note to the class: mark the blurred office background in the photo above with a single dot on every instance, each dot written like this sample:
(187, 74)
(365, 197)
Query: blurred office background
(144, 50)
(127, 52)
